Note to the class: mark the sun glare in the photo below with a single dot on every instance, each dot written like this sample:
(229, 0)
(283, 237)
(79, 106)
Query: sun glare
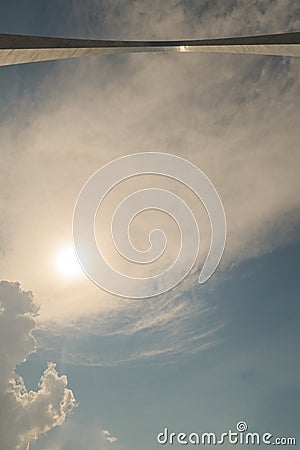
(66, 263)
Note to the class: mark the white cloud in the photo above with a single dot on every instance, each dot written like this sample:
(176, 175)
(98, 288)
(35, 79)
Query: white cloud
(26, 415)
(109, 437)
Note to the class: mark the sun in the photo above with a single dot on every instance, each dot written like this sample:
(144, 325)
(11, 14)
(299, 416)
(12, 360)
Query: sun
(66, 263)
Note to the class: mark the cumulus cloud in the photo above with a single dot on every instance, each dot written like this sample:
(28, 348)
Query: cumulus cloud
(26, 415)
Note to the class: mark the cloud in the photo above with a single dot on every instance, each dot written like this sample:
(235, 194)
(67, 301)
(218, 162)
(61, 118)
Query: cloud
(75, 434)
(157, 330)
(234, 116)
(26, 415)
(108, 437)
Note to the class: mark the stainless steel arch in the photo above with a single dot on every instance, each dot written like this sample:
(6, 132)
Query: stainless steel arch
(20, 49)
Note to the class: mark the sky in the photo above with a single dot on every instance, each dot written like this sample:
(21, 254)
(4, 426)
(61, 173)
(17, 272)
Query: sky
(81, 368)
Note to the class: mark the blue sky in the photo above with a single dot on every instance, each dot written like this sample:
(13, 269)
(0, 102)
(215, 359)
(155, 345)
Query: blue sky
(199, 358)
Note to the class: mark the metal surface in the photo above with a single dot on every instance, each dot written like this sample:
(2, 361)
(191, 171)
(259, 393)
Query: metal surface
(18, 49)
